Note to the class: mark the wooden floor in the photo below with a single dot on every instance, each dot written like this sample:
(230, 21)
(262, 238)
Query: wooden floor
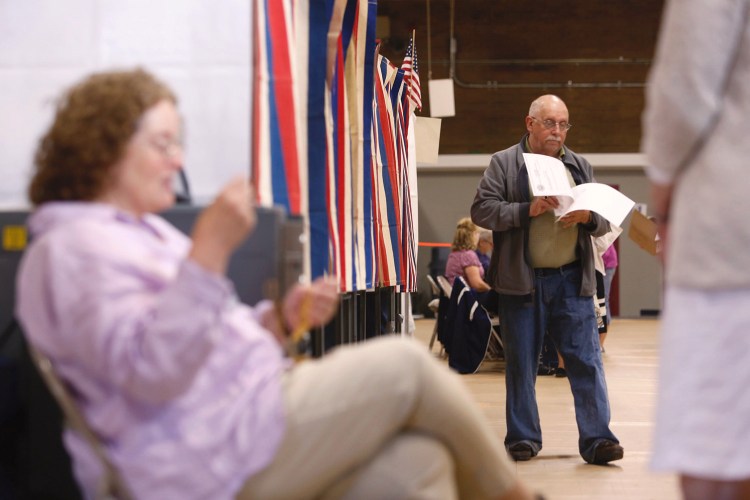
(630, 363)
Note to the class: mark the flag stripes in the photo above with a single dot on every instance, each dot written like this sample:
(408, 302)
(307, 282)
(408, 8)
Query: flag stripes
(411, 74)
(331, 125)
(277, 171)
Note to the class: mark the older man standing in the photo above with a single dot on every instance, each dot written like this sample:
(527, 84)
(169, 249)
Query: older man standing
(543, 269)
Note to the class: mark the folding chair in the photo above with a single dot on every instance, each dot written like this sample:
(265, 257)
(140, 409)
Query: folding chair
(111, 485)
(496, 348)
(434, 305)
(445, 285)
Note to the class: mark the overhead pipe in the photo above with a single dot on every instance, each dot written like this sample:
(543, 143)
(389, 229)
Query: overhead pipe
(534, 62)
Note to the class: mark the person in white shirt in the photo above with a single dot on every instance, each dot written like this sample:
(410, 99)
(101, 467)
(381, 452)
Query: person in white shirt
(695, 141)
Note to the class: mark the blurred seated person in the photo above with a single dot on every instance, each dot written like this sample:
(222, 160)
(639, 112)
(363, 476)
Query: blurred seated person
(463, 260)
(187, 387)
(484, 248)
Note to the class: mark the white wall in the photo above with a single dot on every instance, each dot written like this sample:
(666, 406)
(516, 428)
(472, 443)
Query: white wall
(201, 48)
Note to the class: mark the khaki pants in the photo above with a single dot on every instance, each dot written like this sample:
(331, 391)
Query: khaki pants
(382, 419)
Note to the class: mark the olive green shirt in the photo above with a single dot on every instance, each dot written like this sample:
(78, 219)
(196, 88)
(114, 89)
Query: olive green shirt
(551, 245)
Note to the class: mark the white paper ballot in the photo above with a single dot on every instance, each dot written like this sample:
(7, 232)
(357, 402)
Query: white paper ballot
(442, 103)
(427, 134)
(546, 175)
(548, 178)
(600, 198)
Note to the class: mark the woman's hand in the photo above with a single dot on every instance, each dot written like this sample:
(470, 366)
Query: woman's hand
(310, 306)
(223, 226)
(304, 307)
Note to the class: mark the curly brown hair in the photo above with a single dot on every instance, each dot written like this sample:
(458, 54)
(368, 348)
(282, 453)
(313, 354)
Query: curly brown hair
(94, 120)
(463, 239)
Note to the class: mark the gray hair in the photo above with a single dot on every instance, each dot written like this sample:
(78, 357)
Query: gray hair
(540, 102)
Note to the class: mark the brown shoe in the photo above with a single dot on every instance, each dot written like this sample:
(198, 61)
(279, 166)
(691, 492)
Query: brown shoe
(607, 451)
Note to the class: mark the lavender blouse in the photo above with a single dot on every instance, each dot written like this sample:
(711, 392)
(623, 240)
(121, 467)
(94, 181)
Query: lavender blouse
(175, 375)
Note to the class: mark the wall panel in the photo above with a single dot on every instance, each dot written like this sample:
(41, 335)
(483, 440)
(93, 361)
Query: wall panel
(547, 44)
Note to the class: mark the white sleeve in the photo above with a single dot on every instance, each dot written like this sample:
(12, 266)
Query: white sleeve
(695, 53)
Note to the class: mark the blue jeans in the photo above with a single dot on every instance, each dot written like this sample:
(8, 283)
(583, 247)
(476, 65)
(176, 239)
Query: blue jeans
(556, 307)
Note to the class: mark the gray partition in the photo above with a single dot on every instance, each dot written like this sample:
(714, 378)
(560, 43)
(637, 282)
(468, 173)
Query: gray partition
(271, 257)
(33, 462)
(10, 256)
(272, 254)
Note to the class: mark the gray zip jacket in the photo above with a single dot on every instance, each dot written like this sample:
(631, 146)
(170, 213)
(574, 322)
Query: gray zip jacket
(502, 204)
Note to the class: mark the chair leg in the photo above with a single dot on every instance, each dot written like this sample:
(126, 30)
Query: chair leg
(495, 349)
(497, 337)
(432, 341)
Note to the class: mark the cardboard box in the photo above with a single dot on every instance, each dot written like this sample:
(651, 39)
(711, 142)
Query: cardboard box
(643, 232)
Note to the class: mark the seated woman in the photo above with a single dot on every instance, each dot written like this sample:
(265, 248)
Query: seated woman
(187, 387)
(463, 260)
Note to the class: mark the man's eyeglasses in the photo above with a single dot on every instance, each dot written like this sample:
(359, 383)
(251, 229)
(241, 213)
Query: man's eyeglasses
(550, 124)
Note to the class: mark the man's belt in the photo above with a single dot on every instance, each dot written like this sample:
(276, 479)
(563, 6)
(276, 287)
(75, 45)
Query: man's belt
(548, 271)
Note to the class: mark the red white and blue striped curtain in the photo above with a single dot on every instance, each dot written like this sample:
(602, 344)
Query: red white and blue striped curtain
(395, 178)
(385, 178)
(412, 99)
(330, 140)
(317, 135)
(363, 89)
(409, 240)
(278, 174)
(351, 37)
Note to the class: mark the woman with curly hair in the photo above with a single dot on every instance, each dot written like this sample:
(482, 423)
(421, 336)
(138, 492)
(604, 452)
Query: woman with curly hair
(187, 388)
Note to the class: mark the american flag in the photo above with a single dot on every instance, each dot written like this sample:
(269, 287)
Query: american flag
(411, 74)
